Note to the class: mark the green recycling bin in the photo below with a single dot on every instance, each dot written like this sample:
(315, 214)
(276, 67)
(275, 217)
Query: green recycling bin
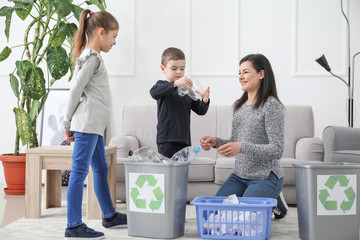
(327, 200)
(156, 198)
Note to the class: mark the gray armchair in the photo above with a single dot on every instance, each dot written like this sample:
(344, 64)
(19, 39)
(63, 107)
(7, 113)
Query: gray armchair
(341, 144)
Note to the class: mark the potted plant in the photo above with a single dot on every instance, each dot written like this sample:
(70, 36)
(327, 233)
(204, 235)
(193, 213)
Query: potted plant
(45, 59)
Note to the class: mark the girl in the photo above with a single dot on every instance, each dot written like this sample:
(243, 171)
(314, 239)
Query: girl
(257, 140)
(85, 121)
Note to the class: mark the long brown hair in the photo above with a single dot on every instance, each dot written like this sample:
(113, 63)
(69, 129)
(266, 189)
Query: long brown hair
(267, 84)
(87, 24)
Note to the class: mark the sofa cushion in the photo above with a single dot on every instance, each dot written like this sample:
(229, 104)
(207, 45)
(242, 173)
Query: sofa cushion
(287, 165)
(345, 156)
(202, 170)
(223, 169)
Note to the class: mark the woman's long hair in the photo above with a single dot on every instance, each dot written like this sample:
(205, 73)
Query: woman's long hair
(87, 24)
(267, 84)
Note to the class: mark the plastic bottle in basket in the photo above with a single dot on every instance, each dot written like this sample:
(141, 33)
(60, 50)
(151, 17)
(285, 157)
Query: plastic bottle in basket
(185, 154)
(146, 154)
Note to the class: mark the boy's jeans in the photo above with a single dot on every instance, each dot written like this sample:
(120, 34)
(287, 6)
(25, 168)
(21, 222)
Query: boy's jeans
(88, 149)
(268, 188)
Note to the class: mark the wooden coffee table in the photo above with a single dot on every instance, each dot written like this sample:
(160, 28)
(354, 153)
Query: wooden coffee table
(54, 159)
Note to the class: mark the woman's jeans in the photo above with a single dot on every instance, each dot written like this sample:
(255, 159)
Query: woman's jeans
(267, 188)
(89, 149)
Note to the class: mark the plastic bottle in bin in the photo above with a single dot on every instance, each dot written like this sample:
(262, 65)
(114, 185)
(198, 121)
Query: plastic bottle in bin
(186, 154)
(146, 154)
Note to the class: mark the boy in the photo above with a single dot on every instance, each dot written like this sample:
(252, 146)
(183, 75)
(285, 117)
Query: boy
(173, 128)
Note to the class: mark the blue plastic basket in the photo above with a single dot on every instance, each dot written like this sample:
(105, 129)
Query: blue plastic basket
(248, 220)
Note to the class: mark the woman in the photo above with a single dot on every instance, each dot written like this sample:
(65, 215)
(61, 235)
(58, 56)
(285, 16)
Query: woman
(257, 139)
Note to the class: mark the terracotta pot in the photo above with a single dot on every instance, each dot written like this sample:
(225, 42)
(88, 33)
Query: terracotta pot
(14, 169)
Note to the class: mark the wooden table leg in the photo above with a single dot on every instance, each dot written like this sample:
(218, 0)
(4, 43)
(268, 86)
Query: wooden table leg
(111, 159)
(33, 186)
(53, 188)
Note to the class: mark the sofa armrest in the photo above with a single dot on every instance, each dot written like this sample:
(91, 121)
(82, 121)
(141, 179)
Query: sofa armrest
(340, 138)
(124, 144)
(310, 149)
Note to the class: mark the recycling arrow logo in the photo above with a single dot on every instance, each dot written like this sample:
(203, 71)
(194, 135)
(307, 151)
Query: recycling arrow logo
(337, 194)
(146, 192)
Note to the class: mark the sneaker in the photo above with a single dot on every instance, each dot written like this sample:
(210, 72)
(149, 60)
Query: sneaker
(119, 221)
(82, 232)
(281, 209)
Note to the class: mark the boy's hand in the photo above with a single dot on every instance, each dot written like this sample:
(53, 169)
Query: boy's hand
(208, 142)
(69, 136)
(184, 81)
(205, 95)
(230, 149)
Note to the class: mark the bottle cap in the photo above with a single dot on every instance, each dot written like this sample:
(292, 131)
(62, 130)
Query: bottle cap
(197, 149)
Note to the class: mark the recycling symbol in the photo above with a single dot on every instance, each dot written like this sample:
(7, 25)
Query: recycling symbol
(155, 201)
(326, 199)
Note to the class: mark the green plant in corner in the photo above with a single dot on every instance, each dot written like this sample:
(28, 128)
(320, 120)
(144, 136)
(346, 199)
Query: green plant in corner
(50, 47)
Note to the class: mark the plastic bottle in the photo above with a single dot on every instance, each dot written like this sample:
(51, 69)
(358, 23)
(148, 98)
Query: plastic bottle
(197, 89)
(185, 154)
(182, 91)
(146, 154)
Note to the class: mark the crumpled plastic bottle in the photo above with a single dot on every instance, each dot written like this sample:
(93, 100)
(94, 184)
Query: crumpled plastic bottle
(146, 154)
(185, 154)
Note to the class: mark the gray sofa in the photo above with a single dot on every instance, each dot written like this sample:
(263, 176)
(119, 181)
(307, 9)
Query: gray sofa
(341, 144)
(210, 170)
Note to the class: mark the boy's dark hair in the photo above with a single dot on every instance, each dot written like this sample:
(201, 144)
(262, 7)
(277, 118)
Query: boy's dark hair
(171, 53)
(267, 84)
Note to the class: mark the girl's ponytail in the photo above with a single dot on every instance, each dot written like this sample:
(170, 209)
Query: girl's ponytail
(79, 41)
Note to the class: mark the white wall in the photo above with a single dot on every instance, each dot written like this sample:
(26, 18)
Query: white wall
(214, 35)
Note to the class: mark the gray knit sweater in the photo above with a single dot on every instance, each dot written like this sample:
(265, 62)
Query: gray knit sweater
(261, 132)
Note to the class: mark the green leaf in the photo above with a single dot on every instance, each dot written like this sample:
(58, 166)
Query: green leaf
(37, 84)
(34, 111)
(7, 26)
(5, 53)
(6, 11)
(23, 125)
(23, 1)
(62, 7)
(60, 35)
(77, 10)
(43, 100)
(23, 71)
(72, 28)
(99, 3)
(23, 10)
(14, 82)
(58, 61)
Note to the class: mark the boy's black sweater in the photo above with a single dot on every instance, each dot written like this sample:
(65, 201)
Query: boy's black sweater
(173, 112)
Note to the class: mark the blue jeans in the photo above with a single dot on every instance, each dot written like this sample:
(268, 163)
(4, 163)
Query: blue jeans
(267, 188)
(89, 149)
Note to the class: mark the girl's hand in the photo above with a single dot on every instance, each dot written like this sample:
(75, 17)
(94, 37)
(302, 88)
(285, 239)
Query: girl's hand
(184, 81)
(69, 136)
(205, 95)
(230, 149)
(208, 142)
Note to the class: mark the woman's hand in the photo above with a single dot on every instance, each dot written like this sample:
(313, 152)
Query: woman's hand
(208, 142)
(205, 95)
(230, 149)
(69, 136)
(184, 81)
